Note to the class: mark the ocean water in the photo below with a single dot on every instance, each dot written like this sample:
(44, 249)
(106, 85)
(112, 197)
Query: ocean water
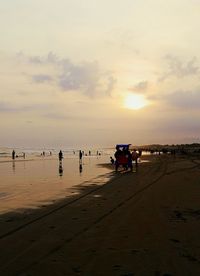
(38, 180)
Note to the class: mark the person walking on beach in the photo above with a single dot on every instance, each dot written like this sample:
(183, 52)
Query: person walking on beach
(135, 157)
(80, 156)
(117, 155)
(13, 154)
(60, 156)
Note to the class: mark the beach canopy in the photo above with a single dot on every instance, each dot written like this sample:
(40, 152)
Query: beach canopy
(123, 145)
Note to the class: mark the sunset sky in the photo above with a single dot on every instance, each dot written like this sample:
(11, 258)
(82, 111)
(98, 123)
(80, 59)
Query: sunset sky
(98, 72)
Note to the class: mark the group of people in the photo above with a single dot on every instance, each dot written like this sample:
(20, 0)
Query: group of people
(60, 157)
(125, 158)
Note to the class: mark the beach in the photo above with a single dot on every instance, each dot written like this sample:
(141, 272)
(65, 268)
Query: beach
(145, 222)
(41, 180)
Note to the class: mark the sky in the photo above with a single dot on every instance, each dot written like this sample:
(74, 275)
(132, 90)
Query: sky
(77, 73)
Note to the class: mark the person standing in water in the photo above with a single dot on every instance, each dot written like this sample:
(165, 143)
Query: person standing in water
(13, 154)
(80, 156)
(60, 155)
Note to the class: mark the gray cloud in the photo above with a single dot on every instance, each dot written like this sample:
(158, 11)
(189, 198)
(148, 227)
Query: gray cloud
(6, 107)
(184, 99)
(86, 77)
(41, 78)
(111, 84)
(9, 108)
(179, 69)
(57, 116)
(140, 87)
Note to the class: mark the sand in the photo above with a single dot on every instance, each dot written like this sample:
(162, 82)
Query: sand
(142, 223)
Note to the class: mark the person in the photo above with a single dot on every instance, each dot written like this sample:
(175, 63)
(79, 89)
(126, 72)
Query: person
(80, 155)
(112, 160)
(135, 157)
(60, 155)
(129, 157)
(24, 155)
(13, 154)
(117, 155)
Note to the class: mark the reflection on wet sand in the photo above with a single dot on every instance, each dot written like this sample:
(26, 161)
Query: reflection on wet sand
(60, 168)
(80, 168)
(13, 166)
(32, 183)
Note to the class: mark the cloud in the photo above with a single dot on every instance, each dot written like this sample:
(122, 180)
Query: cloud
(50, 58)
(57, 116)
(86, 77)
(111, 84)
(41, 78)
(179, 69)
(9, 108)
(184, 99)
(6, 107)
(140, 87)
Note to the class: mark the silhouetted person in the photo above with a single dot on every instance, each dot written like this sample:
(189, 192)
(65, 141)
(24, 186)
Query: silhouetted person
(129, 157)
(24, 155)
(117, 155)
(112, 160)
(135, 157)
(60, 155)
(89, 152)
(80, 155)
(80, 168)
(13, 154)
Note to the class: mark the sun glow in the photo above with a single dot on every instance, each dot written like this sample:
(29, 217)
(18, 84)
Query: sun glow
(133, 101)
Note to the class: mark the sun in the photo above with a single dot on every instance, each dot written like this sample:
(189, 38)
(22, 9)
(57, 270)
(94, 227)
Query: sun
(133, 101)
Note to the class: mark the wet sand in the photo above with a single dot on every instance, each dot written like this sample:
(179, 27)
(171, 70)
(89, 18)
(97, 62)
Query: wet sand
(141, 223)
(39, 181)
